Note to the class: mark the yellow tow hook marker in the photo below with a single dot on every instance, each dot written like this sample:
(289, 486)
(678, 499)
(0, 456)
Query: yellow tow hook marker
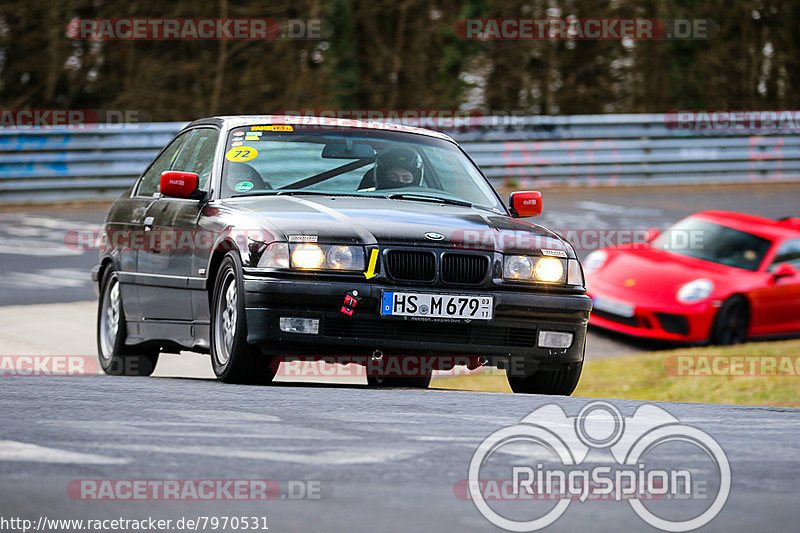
(373, 261)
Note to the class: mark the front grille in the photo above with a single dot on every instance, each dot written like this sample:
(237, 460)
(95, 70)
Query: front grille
(626, 320)
(468, 269)
(430, 332)
(406, 265)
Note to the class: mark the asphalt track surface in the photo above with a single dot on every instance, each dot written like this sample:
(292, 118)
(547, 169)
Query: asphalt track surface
(375, 460)
(381, 460)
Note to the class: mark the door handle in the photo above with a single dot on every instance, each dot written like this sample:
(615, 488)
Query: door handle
(148, 223)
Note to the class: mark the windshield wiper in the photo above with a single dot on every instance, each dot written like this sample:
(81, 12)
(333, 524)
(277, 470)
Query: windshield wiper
(426, 198)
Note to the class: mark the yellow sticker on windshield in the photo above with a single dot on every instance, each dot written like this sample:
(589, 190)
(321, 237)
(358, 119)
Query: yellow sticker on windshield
(275, 127)
(241, 154)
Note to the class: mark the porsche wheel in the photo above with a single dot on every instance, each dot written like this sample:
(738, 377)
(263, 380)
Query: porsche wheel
(731, 322)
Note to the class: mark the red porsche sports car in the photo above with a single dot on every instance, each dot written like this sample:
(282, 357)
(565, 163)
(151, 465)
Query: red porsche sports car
(715, 276)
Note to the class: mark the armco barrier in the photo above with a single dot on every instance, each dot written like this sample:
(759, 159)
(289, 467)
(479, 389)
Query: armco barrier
(539, 151)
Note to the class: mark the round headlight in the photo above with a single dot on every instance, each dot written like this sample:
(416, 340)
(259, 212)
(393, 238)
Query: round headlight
(517, 267)
(594, 261)
(549, 269)
(307, 256)
(341, 258)
(695, 291)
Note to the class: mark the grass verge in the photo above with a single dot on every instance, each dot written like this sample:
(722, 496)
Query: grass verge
(669, 376)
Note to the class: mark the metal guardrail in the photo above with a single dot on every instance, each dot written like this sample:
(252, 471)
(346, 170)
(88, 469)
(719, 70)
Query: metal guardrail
(50, 166)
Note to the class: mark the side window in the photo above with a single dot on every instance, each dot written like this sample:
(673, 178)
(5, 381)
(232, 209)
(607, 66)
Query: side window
(151, 180)
(197, 155)
(788, 252)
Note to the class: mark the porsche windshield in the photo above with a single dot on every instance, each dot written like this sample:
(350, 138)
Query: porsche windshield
(705, 240)
(270, 159)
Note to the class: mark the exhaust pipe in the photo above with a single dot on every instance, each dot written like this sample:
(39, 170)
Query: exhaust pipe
(377, 355)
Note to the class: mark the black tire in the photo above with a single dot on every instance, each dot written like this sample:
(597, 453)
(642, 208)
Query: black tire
(115, 357)
(731, 322)
(560, 382)
(233, 359)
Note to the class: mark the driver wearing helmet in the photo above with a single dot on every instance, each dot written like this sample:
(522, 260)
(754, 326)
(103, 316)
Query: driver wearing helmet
(398, 167)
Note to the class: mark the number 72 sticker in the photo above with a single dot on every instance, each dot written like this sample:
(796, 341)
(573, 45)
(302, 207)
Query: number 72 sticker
(241, 154)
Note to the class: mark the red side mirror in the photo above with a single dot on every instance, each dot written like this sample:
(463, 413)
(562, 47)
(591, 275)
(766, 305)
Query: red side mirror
(784, 270)
(178, 184)
(526, 203)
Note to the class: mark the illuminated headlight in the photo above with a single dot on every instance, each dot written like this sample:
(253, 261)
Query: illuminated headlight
(307, 256)
(549, 269)
(275, 256)
(594, 261)
(527, 268)
(327, 257)
(695, 291)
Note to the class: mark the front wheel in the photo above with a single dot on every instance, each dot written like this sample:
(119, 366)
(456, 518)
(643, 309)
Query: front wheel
(234, 360)
(560, 382)
(116, 358)
(731, 322)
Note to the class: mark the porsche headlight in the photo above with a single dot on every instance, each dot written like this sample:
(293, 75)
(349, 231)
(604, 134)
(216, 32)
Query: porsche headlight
(594, 261)
(695, 291)
(528, 268)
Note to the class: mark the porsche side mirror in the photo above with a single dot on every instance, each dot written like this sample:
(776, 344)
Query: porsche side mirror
(784, 270)
(178, 184)
(525, 203)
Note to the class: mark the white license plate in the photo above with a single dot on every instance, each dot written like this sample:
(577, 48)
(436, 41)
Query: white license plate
(429, 305)
(613, 306)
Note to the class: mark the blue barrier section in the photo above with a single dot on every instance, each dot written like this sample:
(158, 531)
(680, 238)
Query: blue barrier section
(48, 165)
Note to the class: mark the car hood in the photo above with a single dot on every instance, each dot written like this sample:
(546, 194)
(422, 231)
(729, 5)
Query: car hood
(651, 273)
(402, 222)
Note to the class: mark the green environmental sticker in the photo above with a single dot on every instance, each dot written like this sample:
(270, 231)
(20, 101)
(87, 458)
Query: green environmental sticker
(243, 186)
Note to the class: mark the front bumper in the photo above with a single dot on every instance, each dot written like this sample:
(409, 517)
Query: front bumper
(689, 324)
(511, 334)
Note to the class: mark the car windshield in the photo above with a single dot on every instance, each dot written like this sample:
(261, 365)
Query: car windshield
(285, 159)
(706, 240)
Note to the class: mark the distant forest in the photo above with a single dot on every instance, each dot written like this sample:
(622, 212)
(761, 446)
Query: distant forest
(400, 54)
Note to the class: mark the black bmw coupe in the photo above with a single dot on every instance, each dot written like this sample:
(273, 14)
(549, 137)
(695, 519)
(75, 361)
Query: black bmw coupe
(257, 238)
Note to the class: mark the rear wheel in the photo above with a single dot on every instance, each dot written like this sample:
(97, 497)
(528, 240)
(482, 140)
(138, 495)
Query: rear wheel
(555, 382)
(116, 358)
(234, 360)
(731, 322)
